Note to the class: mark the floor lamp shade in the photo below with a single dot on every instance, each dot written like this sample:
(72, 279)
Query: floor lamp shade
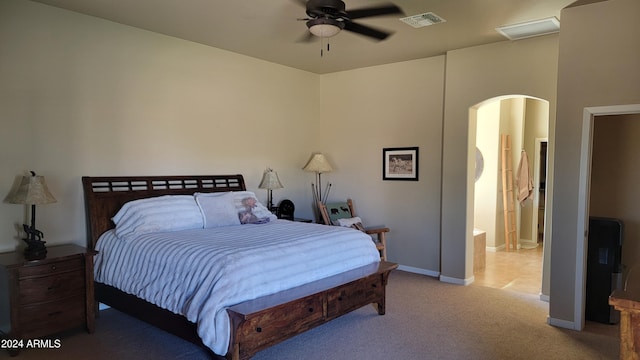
(318, 164)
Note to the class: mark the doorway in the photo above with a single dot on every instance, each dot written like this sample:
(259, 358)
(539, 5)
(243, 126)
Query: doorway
(526, 121)
(584, 188)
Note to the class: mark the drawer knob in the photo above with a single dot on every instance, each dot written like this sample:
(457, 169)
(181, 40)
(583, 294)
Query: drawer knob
(53, 267)
(310, 309)
(258, 329)
(374, 285)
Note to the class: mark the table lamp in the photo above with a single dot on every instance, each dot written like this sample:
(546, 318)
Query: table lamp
(32, 191)
(270, 181)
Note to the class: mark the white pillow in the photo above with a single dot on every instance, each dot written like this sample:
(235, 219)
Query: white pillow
(260, 211)
(162, 213)
(218, 209)
(348, 222)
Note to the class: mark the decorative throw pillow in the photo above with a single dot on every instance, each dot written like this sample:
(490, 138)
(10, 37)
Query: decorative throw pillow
(338, 211)
(162, 213)
(218, 209)
(250, 210)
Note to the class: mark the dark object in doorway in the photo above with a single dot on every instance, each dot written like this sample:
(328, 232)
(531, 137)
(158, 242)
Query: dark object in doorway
(604, 268)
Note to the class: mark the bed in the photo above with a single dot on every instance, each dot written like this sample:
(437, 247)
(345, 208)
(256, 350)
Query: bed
(265, 307)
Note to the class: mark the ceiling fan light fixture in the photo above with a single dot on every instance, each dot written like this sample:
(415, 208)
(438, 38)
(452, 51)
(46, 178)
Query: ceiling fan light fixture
(324, 27)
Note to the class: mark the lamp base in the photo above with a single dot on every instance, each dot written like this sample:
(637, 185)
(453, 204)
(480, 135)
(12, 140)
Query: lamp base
(35, 251)
(35, 246)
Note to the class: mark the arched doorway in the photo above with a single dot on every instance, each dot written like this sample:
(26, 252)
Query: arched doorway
(526, 120)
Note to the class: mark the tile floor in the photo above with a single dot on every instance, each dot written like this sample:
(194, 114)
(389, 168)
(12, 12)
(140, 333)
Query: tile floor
(519, 270)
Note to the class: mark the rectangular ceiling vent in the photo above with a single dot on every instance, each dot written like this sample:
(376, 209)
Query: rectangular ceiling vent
(422, 20)
(530, 28)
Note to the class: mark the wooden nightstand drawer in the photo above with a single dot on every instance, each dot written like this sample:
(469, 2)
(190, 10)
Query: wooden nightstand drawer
(42, 319)
(49, 288)
(52, 268)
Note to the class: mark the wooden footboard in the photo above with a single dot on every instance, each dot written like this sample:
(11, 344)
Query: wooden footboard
(266, 321)
(260, 323)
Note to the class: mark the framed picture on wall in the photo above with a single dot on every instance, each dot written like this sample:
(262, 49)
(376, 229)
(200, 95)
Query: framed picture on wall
(400, 163)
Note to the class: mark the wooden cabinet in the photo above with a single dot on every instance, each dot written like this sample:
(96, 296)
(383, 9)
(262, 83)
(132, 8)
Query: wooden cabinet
(628, 303)
(43, 297)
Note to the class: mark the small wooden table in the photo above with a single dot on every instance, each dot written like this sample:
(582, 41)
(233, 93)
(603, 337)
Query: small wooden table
(628, 303)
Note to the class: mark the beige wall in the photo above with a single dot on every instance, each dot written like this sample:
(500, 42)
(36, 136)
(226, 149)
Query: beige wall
(598, 66)
(366, 110)
(82, 96)
(526, 67)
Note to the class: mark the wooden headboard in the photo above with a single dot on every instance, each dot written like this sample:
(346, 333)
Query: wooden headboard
(105, 195)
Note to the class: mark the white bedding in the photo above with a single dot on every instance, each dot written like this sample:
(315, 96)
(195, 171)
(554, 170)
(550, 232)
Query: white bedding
(199, 273)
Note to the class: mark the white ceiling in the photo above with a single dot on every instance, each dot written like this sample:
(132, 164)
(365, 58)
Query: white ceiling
(269, 30)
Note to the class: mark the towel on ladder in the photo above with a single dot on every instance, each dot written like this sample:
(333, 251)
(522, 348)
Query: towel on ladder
(524, 180)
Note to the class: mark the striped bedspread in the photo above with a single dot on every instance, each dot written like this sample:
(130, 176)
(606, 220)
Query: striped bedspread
(199, 273)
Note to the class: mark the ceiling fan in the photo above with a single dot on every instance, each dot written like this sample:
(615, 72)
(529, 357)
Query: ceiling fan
(326, 18)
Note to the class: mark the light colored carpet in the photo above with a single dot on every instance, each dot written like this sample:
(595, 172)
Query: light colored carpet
(426, 319)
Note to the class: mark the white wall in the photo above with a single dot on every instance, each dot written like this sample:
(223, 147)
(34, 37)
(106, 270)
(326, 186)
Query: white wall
(486, 200)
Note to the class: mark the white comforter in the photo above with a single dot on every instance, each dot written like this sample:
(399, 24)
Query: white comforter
(199, 273)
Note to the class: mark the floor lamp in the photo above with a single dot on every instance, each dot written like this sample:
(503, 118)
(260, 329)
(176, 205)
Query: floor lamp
(318, 164)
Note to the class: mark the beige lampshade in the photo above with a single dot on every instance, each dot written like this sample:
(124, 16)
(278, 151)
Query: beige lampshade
(318, 163)
(32, 190)
(270, 180)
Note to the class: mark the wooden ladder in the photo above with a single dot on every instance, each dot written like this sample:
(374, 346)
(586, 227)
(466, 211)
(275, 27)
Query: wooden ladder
(508, 197)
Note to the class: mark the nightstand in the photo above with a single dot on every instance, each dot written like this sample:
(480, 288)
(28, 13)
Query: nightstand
(43, 297)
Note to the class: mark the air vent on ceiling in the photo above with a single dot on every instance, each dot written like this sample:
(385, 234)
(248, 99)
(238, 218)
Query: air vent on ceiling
(422, 20)
(530, 28)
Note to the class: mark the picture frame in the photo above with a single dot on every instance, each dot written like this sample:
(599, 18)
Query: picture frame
(400, 163)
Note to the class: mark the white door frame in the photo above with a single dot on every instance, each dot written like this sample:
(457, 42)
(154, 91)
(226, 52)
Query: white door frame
(584, 188)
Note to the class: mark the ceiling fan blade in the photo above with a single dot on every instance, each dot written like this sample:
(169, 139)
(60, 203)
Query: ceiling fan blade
(374, 11)
(366, 30)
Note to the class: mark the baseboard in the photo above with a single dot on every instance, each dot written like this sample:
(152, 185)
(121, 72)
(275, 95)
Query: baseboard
(496, 248)
(420, 271)
(561, 323)
(544, 297)
(456, 281)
